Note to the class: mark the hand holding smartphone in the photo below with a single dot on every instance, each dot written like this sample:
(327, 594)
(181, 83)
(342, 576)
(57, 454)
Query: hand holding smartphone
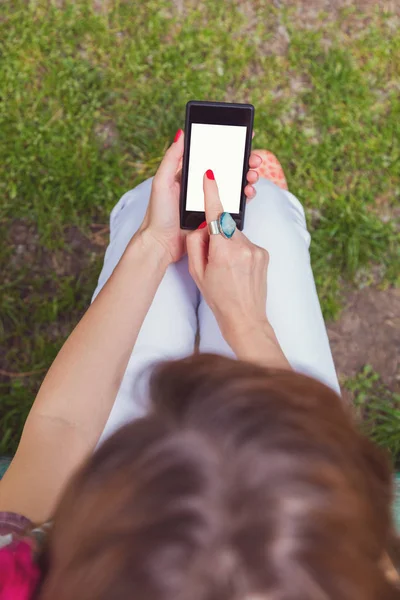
(218, 137)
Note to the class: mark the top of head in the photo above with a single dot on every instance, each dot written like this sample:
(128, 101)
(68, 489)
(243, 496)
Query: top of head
(241, 483)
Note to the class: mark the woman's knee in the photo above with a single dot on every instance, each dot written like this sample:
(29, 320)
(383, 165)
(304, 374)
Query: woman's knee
(275, 220)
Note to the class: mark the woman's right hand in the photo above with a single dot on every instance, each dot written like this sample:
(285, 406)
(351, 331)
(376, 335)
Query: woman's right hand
(232, 277)
(231, 274)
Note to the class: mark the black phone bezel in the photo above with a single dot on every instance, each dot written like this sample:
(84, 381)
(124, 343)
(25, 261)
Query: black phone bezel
(214, 113)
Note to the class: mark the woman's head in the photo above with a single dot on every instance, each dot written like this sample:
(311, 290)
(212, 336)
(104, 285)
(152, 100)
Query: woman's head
(240, 484)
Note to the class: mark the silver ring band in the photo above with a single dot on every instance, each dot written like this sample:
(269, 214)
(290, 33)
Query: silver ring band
(213, 228)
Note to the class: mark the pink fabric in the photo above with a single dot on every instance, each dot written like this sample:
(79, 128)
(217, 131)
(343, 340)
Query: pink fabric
(19, 575)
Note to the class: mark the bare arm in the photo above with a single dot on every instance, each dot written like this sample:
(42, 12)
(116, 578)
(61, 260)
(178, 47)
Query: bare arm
(76, 397)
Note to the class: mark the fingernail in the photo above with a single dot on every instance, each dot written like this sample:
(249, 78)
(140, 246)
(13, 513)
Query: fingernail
(178, 135)
(210, 174)
(202, 225)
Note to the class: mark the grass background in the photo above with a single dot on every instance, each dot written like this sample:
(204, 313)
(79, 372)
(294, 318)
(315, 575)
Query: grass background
(92, 93)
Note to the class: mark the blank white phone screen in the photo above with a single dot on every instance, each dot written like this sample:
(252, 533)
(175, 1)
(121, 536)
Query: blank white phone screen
(220, 148)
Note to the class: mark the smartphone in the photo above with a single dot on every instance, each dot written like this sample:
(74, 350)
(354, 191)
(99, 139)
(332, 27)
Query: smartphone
(217, 136)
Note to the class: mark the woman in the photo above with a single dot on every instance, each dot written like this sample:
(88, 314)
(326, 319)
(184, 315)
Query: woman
(241, 479)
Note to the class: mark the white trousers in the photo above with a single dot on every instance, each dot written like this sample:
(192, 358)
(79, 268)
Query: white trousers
(274, 220)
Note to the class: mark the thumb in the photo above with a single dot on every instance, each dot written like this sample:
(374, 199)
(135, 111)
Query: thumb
(197, 249)
(169, 166)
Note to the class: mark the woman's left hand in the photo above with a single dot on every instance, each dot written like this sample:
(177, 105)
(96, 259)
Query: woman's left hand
(162, 221)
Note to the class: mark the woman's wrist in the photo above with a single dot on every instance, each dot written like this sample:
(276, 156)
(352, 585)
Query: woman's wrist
(256, 341)
(144, 246)
(237, 331)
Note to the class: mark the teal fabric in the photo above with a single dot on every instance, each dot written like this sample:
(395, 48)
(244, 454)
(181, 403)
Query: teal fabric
(4, 463)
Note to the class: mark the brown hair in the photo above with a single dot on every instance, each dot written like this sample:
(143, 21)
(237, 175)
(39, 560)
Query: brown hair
(241, 483)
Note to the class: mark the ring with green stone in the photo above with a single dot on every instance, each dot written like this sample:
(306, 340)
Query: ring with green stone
(225, 225)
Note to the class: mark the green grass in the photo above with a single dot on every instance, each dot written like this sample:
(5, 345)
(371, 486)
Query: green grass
(68, 75)
(378, 409)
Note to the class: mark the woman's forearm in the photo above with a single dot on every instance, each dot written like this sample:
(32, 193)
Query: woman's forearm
(76, 397)
(82, 383)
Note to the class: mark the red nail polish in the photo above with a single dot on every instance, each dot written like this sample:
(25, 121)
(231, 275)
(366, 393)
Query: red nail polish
(178, 135)
(202, 225)
(210, 174)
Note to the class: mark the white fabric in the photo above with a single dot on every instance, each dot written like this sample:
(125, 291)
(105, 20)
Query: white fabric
(274, 220)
